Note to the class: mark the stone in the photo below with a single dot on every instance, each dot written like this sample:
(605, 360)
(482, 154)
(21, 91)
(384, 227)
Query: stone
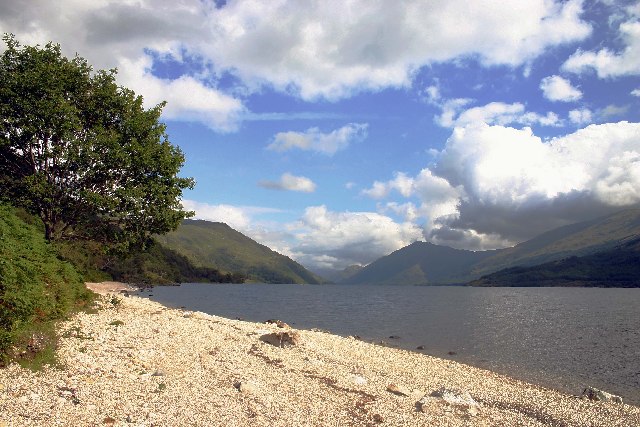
(596, 395)
(399, 390)
(359, 380)
(246, 387)
(278, 323)
(420, 347)
(158, 373)
(449, 400)
(282, 339)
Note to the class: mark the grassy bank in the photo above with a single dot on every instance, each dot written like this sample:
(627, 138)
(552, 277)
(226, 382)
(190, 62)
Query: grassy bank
(36, 289)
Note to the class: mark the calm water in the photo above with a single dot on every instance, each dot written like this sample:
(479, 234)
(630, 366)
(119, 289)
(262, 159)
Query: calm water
(563, 338)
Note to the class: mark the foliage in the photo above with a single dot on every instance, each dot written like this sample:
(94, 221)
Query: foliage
(82, 153)
(158, 265)
(216, 245)
(35, 286)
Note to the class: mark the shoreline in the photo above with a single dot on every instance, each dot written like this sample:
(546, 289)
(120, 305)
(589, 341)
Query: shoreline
(137, 362)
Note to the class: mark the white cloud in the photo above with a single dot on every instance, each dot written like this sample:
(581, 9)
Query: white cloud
(290, 182)
(494, 185)
(556, 88)
(581, 116)
(401, 183)
(500, 113)
(635, 92)
(345, 238)
(314, 140)
(187, 98)
(237, 217)
(114, 34)
(312, 49)
(607, 63)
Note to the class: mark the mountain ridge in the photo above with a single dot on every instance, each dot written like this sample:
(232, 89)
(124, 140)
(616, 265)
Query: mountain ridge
(217, 245)
(426, 263)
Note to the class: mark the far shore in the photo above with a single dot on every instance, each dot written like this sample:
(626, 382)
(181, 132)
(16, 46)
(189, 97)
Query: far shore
(137, 362)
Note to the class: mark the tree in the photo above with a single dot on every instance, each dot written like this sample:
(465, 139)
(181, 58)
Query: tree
(82, 153)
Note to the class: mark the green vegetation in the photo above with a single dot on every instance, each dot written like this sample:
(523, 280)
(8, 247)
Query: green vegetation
(216, 245)
(94, 177)
(81, 152)
(36, 287)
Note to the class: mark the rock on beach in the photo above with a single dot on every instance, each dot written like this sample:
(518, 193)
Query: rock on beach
(162, 368)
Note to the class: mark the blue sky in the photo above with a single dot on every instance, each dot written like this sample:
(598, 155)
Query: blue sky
(338, 132)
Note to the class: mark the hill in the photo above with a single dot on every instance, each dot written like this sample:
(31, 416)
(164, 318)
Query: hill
(216, 245)
(617, 267)
(578, 239)
(420, 263)
(425, 263)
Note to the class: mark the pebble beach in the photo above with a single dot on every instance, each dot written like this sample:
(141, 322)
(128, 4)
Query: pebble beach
(134, 362)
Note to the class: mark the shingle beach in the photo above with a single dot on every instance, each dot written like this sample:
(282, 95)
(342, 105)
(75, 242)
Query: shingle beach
(135, 362)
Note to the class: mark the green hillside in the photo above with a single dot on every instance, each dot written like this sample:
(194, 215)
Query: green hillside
(617, 267)
(425, 263)
(216, 245)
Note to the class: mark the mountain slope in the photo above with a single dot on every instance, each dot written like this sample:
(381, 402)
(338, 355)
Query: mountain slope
(216, 245)
(420, 263)
(578, 239)
(425, 263)
(617, 267)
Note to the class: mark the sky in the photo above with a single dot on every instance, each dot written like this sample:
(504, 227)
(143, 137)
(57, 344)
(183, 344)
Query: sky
(336, 132)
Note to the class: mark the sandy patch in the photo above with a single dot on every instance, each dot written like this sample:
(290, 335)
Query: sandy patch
(104, 288)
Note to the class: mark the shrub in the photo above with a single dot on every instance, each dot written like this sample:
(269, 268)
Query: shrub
(35, 286)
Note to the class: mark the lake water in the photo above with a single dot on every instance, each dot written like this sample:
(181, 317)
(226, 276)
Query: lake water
(562, 338)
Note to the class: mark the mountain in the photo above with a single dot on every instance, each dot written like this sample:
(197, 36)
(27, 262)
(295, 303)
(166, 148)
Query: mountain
(420, 263)
(425, 263)
(216, 245)
(578, 239)
(617, 267)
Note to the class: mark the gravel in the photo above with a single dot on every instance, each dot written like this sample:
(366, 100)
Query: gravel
(138, 363)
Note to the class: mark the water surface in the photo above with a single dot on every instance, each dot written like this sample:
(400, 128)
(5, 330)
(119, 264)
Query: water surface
(563, 338)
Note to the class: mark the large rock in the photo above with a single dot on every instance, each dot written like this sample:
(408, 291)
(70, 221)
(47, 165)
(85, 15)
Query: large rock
(449, 400)
(282, 339)
(592, 393)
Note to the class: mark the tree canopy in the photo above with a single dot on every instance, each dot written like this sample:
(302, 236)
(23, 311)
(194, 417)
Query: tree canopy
(82, 153)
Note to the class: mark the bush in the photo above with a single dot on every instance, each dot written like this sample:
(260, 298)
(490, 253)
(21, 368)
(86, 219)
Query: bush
(35, 286)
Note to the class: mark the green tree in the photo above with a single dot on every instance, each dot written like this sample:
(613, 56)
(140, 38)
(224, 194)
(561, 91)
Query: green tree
(82, 153)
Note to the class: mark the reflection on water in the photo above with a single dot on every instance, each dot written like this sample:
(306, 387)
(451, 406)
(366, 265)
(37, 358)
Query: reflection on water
(564, 338)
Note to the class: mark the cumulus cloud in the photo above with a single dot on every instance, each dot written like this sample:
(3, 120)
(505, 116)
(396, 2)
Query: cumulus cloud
(607, 63)
(238, 217)
(290, 182)
(130, 36)
(327, 239)
(314, 140)
(556, 88)
(329, 50)
(494, 185)
(581, 116)
(311, 49)
(635, 92)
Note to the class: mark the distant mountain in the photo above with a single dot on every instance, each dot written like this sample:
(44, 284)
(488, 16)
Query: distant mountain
(420, 263)
(216, 245)
(617, 267)
(425, 263)
(338, 276)
(578, 239)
